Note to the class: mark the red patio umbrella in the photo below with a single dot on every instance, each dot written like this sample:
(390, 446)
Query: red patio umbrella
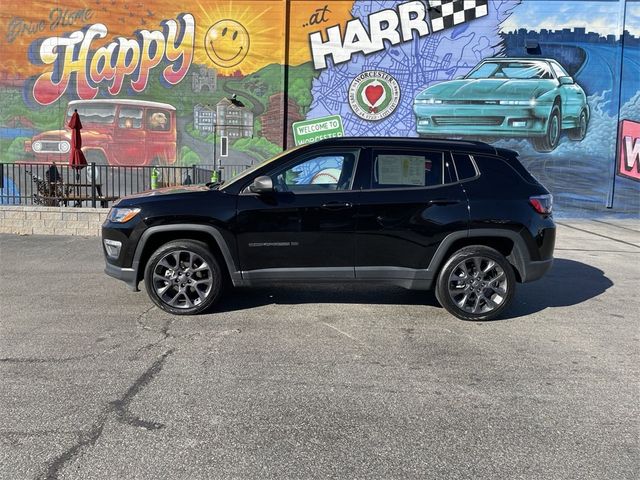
(76, 157)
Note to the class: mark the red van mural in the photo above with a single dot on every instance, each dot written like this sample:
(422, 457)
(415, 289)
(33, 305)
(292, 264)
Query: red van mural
(116, 132)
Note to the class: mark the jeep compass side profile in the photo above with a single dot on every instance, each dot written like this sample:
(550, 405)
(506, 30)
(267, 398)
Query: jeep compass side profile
(462, 217)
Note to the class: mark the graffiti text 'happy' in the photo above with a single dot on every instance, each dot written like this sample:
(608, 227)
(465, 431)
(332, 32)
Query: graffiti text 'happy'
(136, 57)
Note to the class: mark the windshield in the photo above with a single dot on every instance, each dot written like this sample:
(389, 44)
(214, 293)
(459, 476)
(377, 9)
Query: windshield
(512, 70)
(255, 167)
(98, 113)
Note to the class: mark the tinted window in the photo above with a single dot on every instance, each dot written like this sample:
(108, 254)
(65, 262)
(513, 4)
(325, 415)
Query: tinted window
(331, 171)
(497, 170)
(464, 166)
(392, 169)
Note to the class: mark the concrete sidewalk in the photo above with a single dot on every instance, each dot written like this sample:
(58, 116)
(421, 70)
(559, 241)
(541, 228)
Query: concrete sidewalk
(316, 382)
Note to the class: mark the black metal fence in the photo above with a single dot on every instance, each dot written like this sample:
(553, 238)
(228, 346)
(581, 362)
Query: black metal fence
(95, 185)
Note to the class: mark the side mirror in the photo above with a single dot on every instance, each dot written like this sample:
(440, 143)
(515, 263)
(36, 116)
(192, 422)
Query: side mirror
(262, 185)
(566, 81)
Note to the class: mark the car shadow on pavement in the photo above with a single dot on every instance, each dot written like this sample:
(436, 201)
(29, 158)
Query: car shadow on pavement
(350, 293)
(568, 283)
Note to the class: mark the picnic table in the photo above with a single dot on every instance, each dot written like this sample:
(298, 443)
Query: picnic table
(57, 193)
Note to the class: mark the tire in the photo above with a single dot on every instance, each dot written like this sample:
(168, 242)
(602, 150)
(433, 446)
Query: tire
(551, 138)
(192, 287)
(577, 134)
(471, 297)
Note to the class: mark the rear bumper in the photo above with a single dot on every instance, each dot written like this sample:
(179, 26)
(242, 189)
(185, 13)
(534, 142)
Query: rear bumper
(536, 270)
(127, 275)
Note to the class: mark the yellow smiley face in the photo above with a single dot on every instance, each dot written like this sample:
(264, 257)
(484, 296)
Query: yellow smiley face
(227, 43)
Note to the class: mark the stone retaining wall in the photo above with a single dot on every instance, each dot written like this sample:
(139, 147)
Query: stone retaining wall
(51, 220)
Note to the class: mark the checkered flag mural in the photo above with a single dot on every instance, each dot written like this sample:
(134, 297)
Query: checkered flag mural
(447, 13)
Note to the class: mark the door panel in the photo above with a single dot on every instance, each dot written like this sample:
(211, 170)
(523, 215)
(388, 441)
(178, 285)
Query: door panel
(287, 230)
(309, 222)
(402, 227)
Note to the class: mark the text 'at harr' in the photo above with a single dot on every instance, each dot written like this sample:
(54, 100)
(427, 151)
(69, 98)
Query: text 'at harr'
(393, 25)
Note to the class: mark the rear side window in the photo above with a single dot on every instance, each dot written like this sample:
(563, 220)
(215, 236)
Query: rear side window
(158, 120)
(406, 169)
(497, 169)
(464, 166)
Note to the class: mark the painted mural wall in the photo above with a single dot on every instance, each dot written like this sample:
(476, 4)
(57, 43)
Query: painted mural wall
(164, 83)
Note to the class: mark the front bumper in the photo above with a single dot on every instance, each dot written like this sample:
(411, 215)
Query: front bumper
(127, 235)
(489, 120)
(127, 275)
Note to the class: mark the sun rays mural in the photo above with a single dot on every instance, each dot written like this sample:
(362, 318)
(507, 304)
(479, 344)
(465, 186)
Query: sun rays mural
(235, 36)
(158, 82)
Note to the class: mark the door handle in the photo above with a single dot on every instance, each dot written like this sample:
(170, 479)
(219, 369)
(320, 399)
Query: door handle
(443, 201)
(337, 205)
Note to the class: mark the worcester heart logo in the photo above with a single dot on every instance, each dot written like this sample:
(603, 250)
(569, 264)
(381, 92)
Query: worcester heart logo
(374, 95)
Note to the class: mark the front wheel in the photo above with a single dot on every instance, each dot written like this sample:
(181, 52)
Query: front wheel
(550, 140)
(97, 157)
(577, 134)
(476, 283)
(183, 277)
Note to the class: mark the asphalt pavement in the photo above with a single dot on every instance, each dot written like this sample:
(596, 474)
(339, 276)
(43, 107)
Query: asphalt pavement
(320, 381)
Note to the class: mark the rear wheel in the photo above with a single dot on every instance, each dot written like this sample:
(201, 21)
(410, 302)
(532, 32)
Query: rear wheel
(476, 283)
(183, 277)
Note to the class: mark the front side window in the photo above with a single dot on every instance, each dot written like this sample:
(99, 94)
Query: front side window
(393, 169)
(558, 70)
(321, 173)
(130, 117)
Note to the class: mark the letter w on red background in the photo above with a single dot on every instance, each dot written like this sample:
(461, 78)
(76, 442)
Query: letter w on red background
(629, 150)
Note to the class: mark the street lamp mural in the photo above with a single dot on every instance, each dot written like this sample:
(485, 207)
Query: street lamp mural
(160, 84)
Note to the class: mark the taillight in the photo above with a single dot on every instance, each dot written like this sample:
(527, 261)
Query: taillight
(542, 204)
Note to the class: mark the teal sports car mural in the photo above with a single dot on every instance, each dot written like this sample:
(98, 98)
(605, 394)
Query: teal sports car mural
(508, 98)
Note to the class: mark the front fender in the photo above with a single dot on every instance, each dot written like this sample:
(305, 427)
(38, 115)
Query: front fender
(213, 232)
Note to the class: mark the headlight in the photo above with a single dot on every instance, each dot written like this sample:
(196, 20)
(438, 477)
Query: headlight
(37, 146)
(64, 146)
(515, 102)
(528, 103)
(122, 215)
(427, 101)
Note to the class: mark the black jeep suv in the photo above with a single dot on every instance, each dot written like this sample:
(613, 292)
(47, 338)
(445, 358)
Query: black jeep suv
(463, 217)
